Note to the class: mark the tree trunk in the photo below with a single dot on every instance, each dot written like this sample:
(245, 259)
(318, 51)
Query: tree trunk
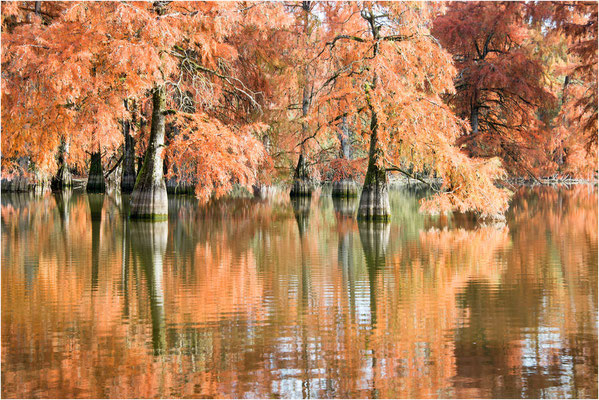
(374, 201)
(345, 187)
(128, 168)
(301, 181)
(344, 140)
(262, 191)
(474, 120)
(95, 181)
(63, 178)
(149, 198)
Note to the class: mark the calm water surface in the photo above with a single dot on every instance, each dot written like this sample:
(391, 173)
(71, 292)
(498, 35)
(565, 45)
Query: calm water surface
(274, 298)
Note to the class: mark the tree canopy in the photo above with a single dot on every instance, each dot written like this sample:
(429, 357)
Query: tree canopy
(465, 92)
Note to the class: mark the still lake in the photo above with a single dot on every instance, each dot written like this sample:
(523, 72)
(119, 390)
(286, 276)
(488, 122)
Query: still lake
(277, 298)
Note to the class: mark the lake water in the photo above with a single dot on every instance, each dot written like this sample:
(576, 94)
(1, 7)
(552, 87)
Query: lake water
(247, 298)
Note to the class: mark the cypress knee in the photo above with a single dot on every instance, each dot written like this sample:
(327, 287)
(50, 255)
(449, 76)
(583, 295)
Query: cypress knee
(149, 197)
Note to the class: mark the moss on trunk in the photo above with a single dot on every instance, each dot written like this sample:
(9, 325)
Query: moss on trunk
(95, 181)
(149, 197)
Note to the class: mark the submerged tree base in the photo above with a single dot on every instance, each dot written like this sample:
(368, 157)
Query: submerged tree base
(173, 186)
(95, 181)
(301, 188)
(25, 184)
(149, 203)
(127, 183)
(263, 192)
(345, 188)
(374, 203)
(62, 180)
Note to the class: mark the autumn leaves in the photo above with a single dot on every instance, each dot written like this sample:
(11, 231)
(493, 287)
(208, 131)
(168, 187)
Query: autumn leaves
(294, 75)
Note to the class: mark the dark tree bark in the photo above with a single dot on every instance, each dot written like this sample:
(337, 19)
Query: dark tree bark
(63, 178)
(95, 181)
(474, 119)
(149, 197)
(301, 180)
(128, 169)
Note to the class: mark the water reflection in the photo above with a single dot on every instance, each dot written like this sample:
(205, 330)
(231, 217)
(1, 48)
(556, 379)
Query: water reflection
(301, 211)
(248, 298)
(148, 244)
(375, 240)
(96, 205)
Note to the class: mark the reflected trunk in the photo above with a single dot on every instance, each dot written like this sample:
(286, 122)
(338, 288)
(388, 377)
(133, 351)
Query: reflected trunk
(301, 211)
(96, 204)
(148, 244)
(345, 207)
(375, 239)
(346, 261)
(62, 199)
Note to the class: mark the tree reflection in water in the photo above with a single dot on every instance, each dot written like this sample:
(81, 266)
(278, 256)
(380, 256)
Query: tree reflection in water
(241, 298)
